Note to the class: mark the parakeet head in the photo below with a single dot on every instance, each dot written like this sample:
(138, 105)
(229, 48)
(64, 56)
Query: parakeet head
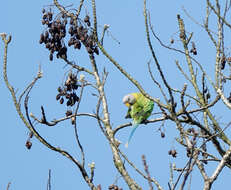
(129, 100)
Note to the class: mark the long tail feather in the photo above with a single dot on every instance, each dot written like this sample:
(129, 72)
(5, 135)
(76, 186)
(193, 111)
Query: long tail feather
(134, 127)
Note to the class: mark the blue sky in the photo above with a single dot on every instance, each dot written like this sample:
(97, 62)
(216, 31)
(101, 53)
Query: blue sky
(29, 168)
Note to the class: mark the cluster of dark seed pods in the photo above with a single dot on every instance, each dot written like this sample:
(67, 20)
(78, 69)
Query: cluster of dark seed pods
(68, 91)
(54, 34)
(81, 34)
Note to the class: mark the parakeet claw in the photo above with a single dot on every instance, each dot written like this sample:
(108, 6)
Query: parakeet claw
(145, 122)
(127, 116)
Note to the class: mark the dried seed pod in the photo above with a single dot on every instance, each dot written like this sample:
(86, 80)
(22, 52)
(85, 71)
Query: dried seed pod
(68, 102)
(96, 50)
(41, 38)
(71, 42)
(44, 16)
(89, 50)
(87, 18)
(51, 56)
(48, 45)
(174, 153)
(228, 59)
(50, 16)
(77, 44)
(68, 113)
(75, 86)
(31, 135)
(68, 88)
(229, 98)
(46, 35)
(68, 96)
(75, 97)
(71, 21)
(58, 96)
(28, 144)
(43, 22)
(223, 62)
(61, 100)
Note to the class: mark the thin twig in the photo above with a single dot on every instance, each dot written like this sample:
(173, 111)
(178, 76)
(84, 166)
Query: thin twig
(147, 172)
(49, 180)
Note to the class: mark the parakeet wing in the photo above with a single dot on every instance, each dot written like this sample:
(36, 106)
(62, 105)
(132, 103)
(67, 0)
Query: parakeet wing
(142, 109)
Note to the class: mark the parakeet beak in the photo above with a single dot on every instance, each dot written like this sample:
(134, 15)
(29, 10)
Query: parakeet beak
(127, 104)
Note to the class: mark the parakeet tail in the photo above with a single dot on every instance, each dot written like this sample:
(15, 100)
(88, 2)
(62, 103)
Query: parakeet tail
(134, 127)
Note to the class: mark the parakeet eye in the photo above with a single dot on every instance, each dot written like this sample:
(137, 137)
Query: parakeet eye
(131, 100)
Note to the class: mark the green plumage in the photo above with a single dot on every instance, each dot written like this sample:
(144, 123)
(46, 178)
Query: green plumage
(139, 109)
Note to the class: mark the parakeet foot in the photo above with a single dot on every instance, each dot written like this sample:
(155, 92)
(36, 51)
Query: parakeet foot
(145, 122)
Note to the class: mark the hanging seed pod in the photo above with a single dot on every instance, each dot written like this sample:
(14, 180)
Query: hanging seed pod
(174, 153)
(75, 97)
(96, 50)
(41, 38)
(43, 22)
(44, 16)
(68, 96)
(229, 98)
(87, 18)
(77, 44)
(68, 113)
(223, 62)
(70, 42)
(71, 21)
(50, 16)
(75, 86)
(28, 145)
(61, 100)
(89, 50)
(51, 56)
(162, 134)
(48, 45)
(58, 96)
(68, 102)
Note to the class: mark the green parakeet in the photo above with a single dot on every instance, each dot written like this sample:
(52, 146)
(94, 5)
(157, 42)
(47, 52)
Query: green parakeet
(139, 109)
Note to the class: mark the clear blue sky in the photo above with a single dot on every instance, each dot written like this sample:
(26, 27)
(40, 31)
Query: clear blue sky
(28, 169)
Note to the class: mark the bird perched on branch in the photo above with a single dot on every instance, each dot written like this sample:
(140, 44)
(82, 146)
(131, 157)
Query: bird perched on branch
(139, 109)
